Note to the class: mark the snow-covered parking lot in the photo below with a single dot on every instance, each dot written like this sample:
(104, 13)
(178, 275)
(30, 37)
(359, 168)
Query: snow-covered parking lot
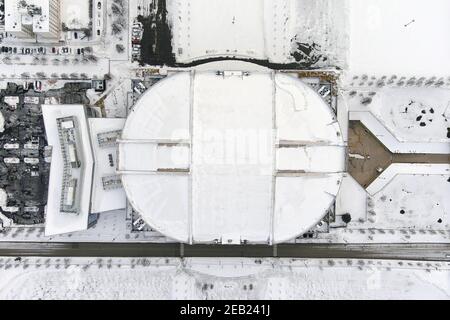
(259, 29)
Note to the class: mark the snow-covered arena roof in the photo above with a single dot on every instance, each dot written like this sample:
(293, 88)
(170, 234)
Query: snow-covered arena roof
(231, 157)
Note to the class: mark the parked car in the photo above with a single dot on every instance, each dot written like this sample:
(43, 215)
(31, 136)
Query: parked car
(140, 88)
(37, 85)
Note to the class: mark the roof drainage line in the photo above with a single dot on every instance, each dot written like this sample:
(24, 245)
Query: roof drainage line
(296, 174)
(191, 156)
(274, 161)
(293, 145)
(181, 172)
(155, 141)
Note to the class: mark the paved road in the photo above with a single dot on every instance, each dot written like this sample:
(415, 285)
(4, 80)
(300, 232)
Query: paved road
(426, 252)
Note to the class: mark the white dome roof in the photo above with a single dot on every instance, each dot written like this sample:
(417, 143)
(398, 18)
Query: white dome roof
(231, 157)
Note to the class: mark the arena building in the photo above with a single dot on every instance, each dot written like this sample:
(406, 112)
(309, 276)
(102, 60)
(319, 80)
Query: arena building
(231, 157)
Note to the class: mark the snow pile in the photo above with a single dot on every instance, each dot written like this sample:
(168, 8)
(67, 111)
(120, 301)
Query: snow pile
(3, 198)
(75, 13)
(2, 122)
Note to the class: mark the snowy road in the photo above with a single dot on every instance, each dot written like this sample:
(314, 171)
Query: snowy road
(423, 252)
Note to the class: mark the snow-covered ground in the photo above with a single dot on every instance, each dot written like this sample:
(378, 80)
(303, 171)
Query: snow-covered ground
(412, 114)
(236, 28)
(111, 226)
(401, 37)
(405, 204)
(75, 13)
(397, 207)
(239, 279)
(259, 29)
(375, 37)
(116, 40)
(119, 100)
(326, 24)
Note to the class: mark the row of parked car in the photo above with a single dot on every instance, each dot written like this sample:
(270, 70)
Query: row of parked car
(137, 32)
(41, 50)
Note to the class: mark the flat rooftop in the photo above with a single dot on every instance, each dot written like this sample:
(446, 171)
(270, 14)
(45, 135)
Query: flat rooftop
(105, 157)
(57, 222)
(16, 18)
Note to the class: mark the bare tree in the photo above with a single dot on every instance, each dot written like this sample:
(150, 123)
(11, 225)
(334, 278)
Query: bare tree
(120, 48)
(92, 58)
(116, 9)
(116, 29)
